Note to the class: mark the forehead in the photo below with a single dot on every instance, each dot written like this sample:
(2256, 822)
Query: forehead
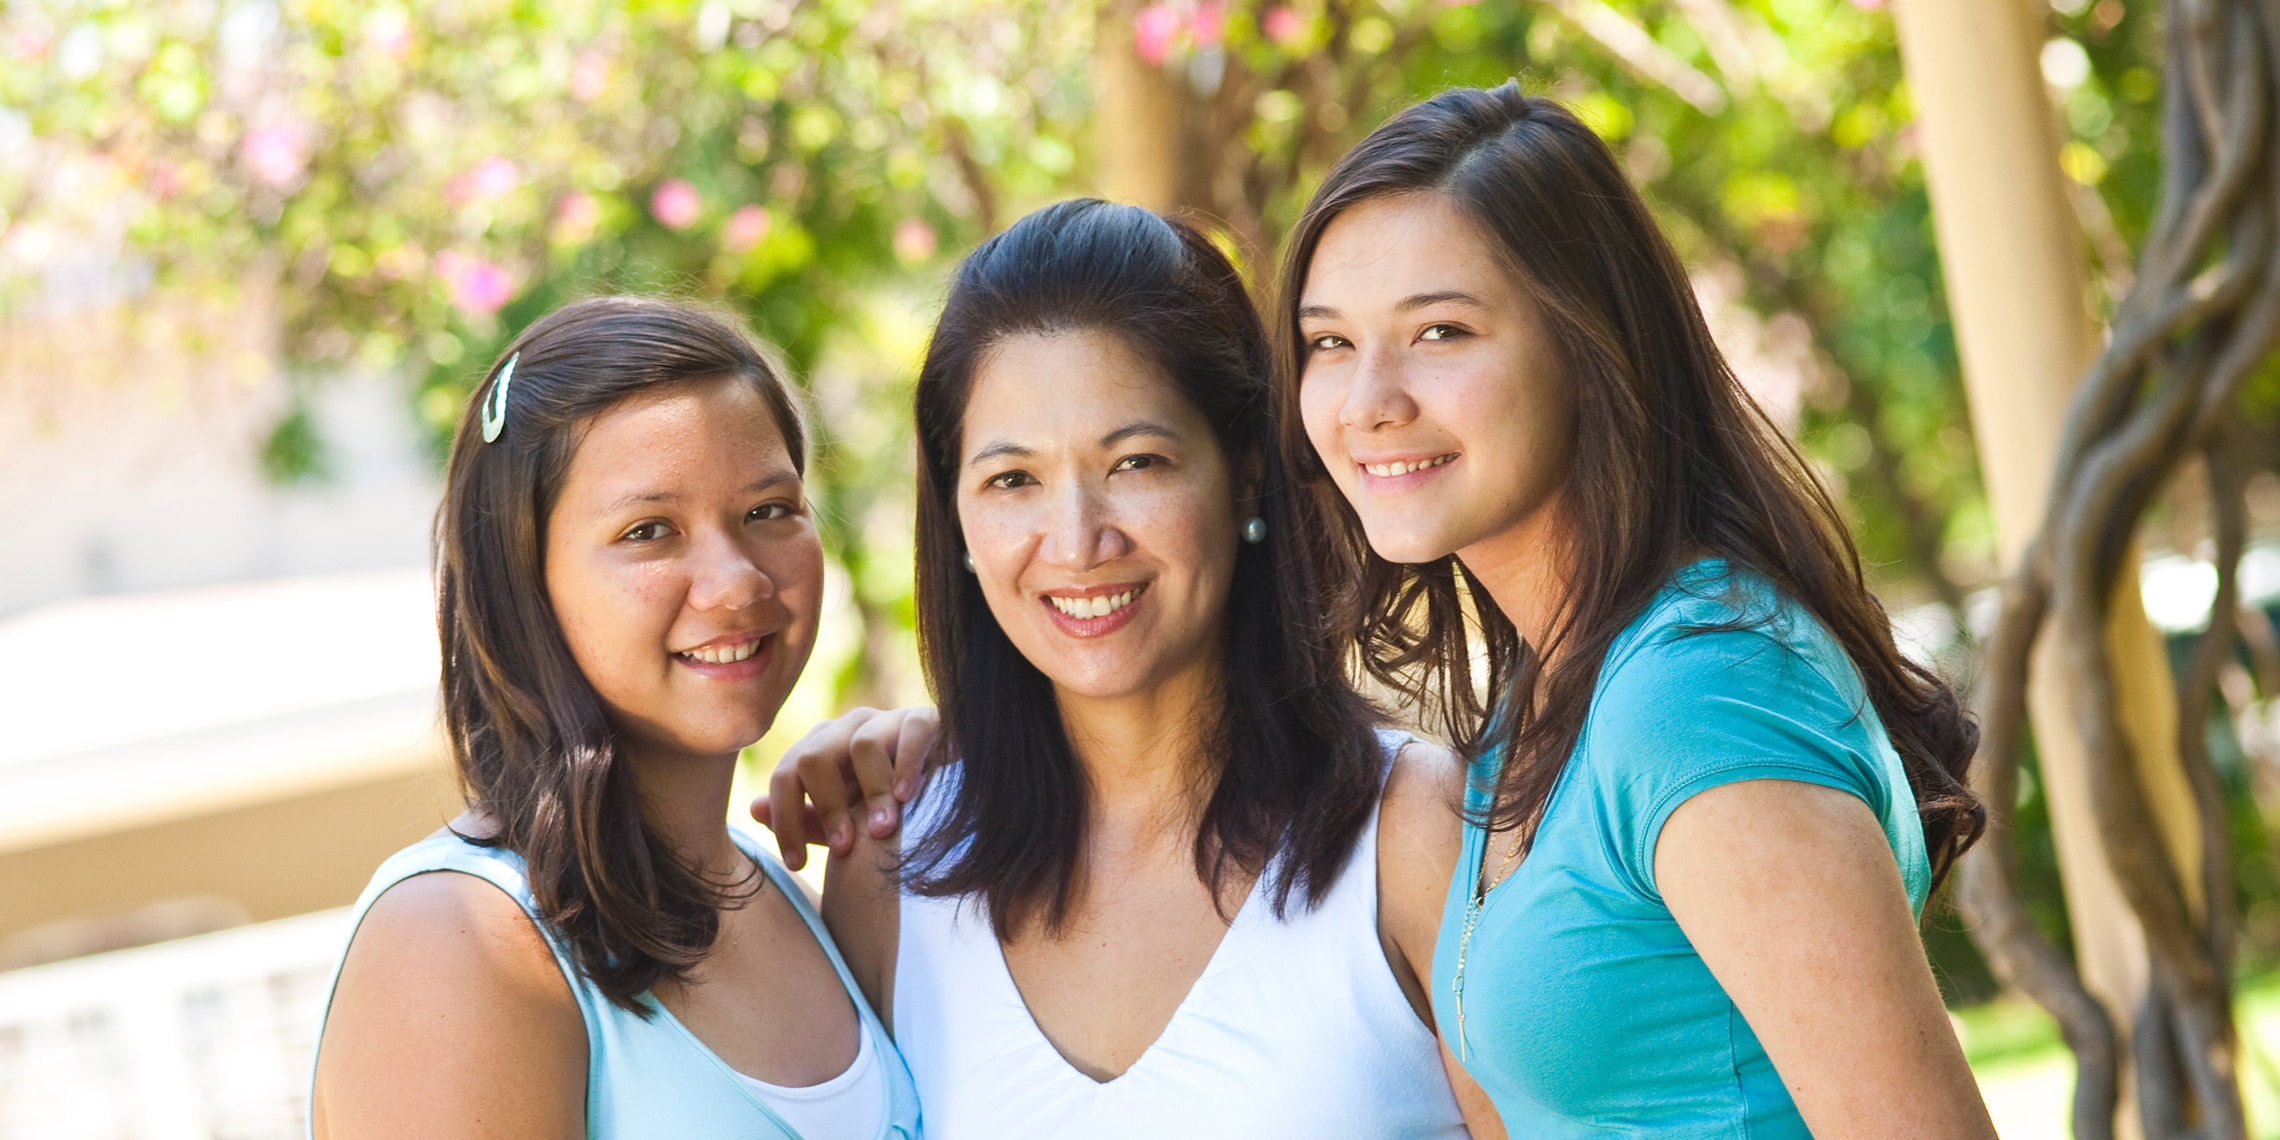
(1401, 245)
(1041, 390)
(680, 433)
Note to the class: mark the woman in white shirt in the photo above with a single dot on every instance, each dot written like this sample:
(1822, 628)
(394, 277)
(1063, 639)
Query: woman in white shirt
(1142, 895)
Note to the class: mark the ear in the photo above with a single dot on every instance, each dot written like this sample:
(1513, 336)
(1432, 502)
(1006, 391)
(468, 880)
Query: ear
(1250, 480)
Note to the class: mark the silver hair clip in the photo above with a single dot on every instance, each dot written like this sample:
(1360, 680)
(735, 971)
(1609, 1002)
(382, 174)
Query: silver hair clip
(495, 405)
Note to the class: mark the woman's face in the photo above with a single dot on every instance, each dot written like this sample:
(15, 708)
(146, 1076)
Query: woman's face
(1429, 388)
(684, 566)
(1099, 511)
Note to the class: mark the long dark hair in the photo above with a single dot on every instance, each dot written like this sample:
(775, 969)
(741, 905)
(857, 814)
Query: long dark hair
(533, 745)
(1672, 461)
(1298, 762)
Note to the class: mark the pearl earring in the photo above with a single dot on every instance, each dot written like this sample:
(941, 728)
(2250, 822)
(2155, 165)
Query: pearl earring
(969, 557)
(1254, 530)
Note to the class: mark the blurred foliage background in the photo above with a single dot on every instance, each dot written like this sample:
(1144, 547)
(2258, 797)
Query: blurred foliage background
(413, 182)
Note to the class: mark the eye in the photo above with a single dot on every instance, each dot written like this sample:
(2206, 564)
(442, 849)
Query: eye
(1326, 341)
(1009, 480)
(1136, 462)
(767, 512)
(647, 530)
(1442, 331)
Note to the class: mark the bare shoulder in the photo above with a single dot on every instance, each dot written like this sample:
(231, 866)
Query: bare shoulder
(1420, 834)
(1423, 806)
(458, 927)
(450, 1015)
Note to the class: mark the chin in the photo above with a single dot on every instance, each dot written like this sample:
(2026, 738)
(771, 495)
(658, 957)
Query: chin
(1408, 547)
(1096, 686)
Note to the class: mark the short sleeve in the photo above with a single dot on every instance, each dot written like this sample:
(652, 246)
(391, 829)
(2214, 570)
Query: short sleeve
(1683, 712)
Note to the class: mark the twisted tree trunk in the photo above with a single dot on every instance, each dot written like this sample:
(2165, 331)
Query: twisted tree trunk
(2203, 312)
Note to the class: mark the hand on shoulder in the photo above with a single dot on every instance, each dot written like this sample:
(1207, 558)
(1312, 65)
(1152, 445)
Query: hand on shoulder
(857, 768)
(450, 1019)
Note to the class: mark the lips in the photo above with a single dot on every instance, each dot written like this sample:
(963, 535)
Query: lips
(730, 657)
(1397, 467)
(1095, 611)
(1098, 606)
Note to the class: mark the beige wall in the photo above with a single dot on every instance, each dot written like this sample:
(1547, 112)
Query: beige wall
(269, 860)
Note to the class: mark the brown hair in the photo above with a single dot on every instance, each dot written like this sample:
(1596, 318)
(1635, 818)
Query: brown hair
(1672, 461)
(1299, 761)
(532, 742)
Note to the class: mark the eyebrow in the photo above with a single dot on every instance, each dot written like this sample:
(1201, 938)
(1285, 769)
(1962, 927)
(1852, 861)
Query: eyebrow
(763, 483)
(1406, 304)
(1003, 449)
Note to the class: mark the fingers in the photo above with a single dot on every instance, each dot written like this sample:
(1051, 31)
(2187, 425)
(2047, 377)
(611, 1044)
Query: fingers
(799, 778)
(821, 768)
(780, 810)
(858, 768)
(917, 735)
(871, 752)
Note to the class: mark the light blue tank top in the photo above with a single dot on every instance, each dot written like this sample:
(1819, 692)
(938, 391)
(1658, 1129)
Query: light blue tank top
(651, 1079)
(1586, 1012)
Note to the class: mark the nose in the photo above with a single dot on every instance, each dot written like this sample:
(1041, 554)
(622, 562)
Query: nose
(1377, 393)
(724, 575)
(1079, 534)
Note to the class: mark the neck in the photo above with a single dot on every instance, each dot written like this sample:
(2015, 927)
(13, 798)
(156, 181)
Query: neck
(1142, 752)
(1526, 569)
(684, 799)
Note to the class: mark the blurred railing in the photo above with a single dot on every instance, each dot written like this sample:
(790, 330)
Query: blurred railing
(209, 1037)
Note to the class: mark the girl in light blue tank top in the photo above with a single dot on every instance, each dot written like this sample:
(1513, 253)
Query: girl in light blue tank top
(649, 1077)
(629, 582)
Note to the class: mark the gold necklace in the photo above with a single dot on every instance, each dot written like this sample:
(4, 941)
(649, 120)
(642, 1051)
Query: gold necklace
(1477, 896)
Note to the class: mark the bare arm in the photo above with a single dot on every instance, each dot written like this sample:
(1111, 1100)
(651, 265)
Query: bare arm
(862, 903)
(865, 761)
(1789, 892)
(451, 1019)
(1420, 836)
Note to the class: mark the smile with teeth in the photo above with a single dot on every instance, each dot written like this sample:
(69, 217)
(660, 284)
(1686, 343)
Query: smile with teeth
(1404, 468)
(721, 654)
(1096, 607)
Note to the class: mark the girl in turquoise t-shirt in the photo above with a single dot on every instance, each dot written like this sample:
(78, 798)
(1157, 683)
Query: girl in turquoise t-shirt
(1714, 793)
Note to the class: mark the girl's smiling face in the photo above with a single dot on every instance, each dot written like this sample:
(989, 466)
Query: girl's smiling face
(684, 567)
(1099, 511)
(1429, 387)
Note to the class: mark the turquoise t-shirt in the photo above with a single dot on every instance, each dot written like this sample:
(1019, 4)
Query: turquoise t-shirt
(1587, 1011)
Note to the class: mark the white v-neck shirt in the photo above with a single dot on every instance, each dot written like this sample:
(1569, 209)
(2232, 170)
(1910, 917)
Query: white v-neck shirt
(1296, 1028)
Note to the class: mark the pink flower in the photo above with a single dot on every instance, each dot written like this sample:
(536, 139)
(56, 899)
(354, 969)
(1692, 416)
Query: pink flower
(1283, 25)
(477, 286)
(675, 204)
(575, 218)
(914, 239)
(588, 75)
(744, 229)
(490, 180)
(273, 154)
(165, 180)
(1208, 26)
(1153, 30)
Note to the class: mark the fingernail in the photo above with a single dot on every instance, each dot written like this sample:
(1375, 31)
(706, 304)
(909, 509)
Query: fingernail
(879, 817)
